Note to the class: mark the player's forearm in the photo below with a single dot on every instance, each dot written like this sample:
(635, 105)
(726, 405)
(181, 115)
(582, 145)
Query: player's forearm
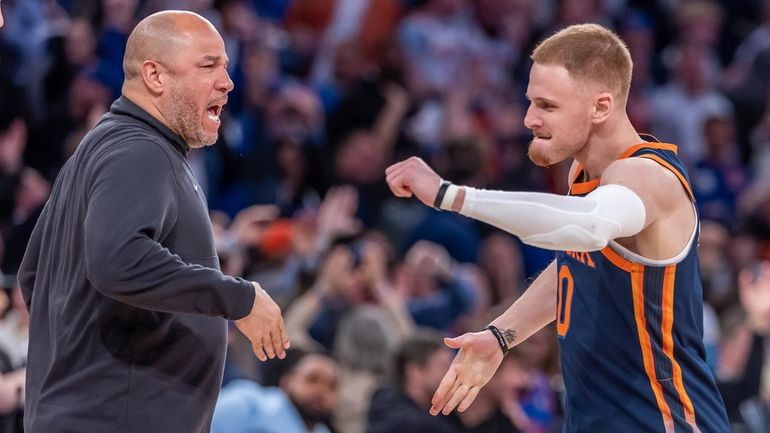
(552, 221)
(535, 309)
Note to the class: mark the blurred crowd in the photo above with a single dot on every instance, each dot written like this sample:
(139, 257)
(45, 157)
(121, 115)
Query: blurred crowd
(330, 92)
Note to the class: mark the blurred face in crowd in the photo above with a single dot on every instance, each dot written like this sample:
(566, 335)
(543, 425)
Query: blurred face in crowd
(512, 377)
(120, 14)
(80, 44)
(198, 85)
(313, 387)
(559, 114)
(432, 372)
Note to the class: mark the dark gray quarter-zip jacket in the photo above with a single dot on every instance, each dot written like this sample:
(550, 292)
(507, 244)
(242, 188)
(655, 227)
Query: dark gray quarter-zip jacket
(124, 290)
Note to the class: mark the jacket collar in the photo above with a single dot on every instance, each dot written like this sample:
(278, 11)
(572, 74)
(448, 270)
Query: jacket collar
(125, 107)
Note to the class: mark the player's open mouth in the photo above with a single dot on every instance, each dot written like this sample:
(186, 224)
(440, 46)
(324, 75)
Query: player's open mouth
(213, 112)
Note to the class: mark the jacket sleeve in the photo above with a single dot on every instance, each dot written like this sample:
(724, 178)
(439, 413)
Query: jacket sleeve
(132, 204)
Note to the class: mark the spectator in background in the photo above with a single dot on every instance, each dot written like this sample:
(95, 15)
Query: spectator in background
(500, 258)
(403, 406)
(437, 39)
(14, 333)
(71, 97)
(117, 19)
(363, 336)
(719, 177)
(691, 86)
(538, 409)
(352, 25)
(303, 402)
(740, 380)
(760, 142)
(497, 409)
(434, 287)
(637, 29)
(749, 49)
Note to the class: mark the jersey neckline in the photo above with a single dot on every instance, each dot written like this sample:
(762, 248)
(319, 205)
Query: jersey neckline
(587, 186)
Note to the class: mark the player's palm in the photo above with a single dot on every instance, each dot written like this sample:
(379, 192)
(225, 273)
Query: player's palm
(473, 366)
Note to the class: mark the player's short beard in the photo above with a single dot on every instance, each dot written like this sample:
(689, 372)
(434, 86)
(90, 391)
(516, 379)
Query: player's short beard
(538, 156)
(187, 120)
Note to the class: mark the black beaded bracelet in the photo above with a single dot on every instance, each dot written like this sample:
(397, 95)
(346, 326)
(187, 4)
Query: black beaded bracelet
(500, 339)
(441, 193)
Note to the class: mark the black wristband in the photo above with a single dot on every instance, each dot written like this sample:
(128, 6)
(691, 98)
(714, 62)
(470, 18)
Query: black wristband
(441, 193)
(499, 336)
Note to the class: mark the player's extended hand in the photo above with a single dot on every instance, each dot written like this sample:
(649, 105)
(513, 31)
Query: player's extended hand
(474, 365)
(413, 176)
(264, 327)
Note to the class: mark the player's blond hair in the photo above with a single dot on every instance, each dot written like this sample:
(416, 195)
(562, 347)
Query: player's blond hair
(589, 52)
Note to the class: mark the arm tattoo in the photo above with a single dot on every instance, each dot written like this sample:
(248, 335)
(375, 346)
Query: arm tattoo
(510, 336)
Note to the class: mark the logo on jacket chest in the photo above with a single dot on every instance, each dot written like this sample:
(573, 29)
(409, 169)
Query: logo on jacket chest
(583, 257)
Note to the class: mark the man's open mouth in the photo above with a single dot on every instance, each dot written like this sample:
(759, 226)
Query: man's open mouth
(214, 111)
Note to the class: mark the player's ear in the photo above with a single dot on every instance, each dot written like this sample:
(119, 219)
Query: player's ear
(603, 105)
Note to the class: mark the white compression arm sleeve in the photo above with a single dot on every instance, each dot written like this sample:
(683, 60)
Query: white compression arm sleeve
(557, 222)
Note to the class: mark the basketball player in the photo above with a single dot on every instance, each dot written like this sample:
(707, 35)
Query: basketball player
(625, 287)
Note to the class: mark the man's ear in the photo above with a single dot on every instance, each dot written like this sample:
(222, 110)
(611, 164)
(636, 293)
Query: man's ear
(154, 76)
(603, 105)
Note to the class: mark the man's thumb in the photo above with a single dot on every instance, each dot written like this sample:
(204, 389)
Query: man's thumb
(454, 343)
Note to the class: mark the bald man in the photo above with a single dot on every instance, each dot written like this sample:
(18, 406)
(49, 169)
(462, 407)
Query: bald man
(121, 276)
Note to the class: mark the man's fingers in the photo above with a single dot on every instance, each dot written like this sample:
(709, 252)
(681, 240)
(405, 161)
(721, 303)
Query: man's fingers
(457, 396)
(284, 336)
(472, 393)
(441, 395)
(277, 344)
(394, 167)
(395, 182)
(259, 352)
(267, 344)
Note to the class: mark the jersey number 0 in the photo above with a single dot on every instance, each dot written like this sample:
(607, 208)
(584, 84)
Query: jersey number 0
(564, 300)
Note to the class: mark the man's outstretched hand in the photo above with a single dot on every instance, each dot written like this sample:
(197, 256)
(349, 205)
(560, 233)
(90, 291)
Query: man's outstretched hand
(473, 366)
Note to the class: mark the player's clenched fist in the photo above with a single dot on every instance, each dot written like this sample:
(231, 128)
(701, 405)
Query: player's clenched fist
(413, 176)
(264, 327)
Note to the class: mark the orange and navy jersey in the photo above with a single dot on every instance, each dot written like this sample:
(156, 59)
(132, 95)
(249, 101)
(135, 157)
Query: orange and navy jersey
(631, 333)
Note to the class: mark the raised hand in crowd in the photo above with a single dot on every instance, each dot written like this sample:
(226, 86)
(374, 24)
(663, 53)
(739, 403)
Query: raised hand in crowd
(249, 224)
(12, 144)
(336, 215)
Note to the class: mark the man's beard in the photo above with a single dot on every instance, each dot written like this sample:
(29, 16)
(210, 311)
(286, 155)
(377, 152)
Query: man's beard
(311, 416)
(538, 156)
(186, 120)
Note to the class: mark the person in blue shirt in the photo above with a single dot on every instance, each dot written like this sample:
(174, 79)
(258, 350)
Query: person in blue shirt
(302, 403)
